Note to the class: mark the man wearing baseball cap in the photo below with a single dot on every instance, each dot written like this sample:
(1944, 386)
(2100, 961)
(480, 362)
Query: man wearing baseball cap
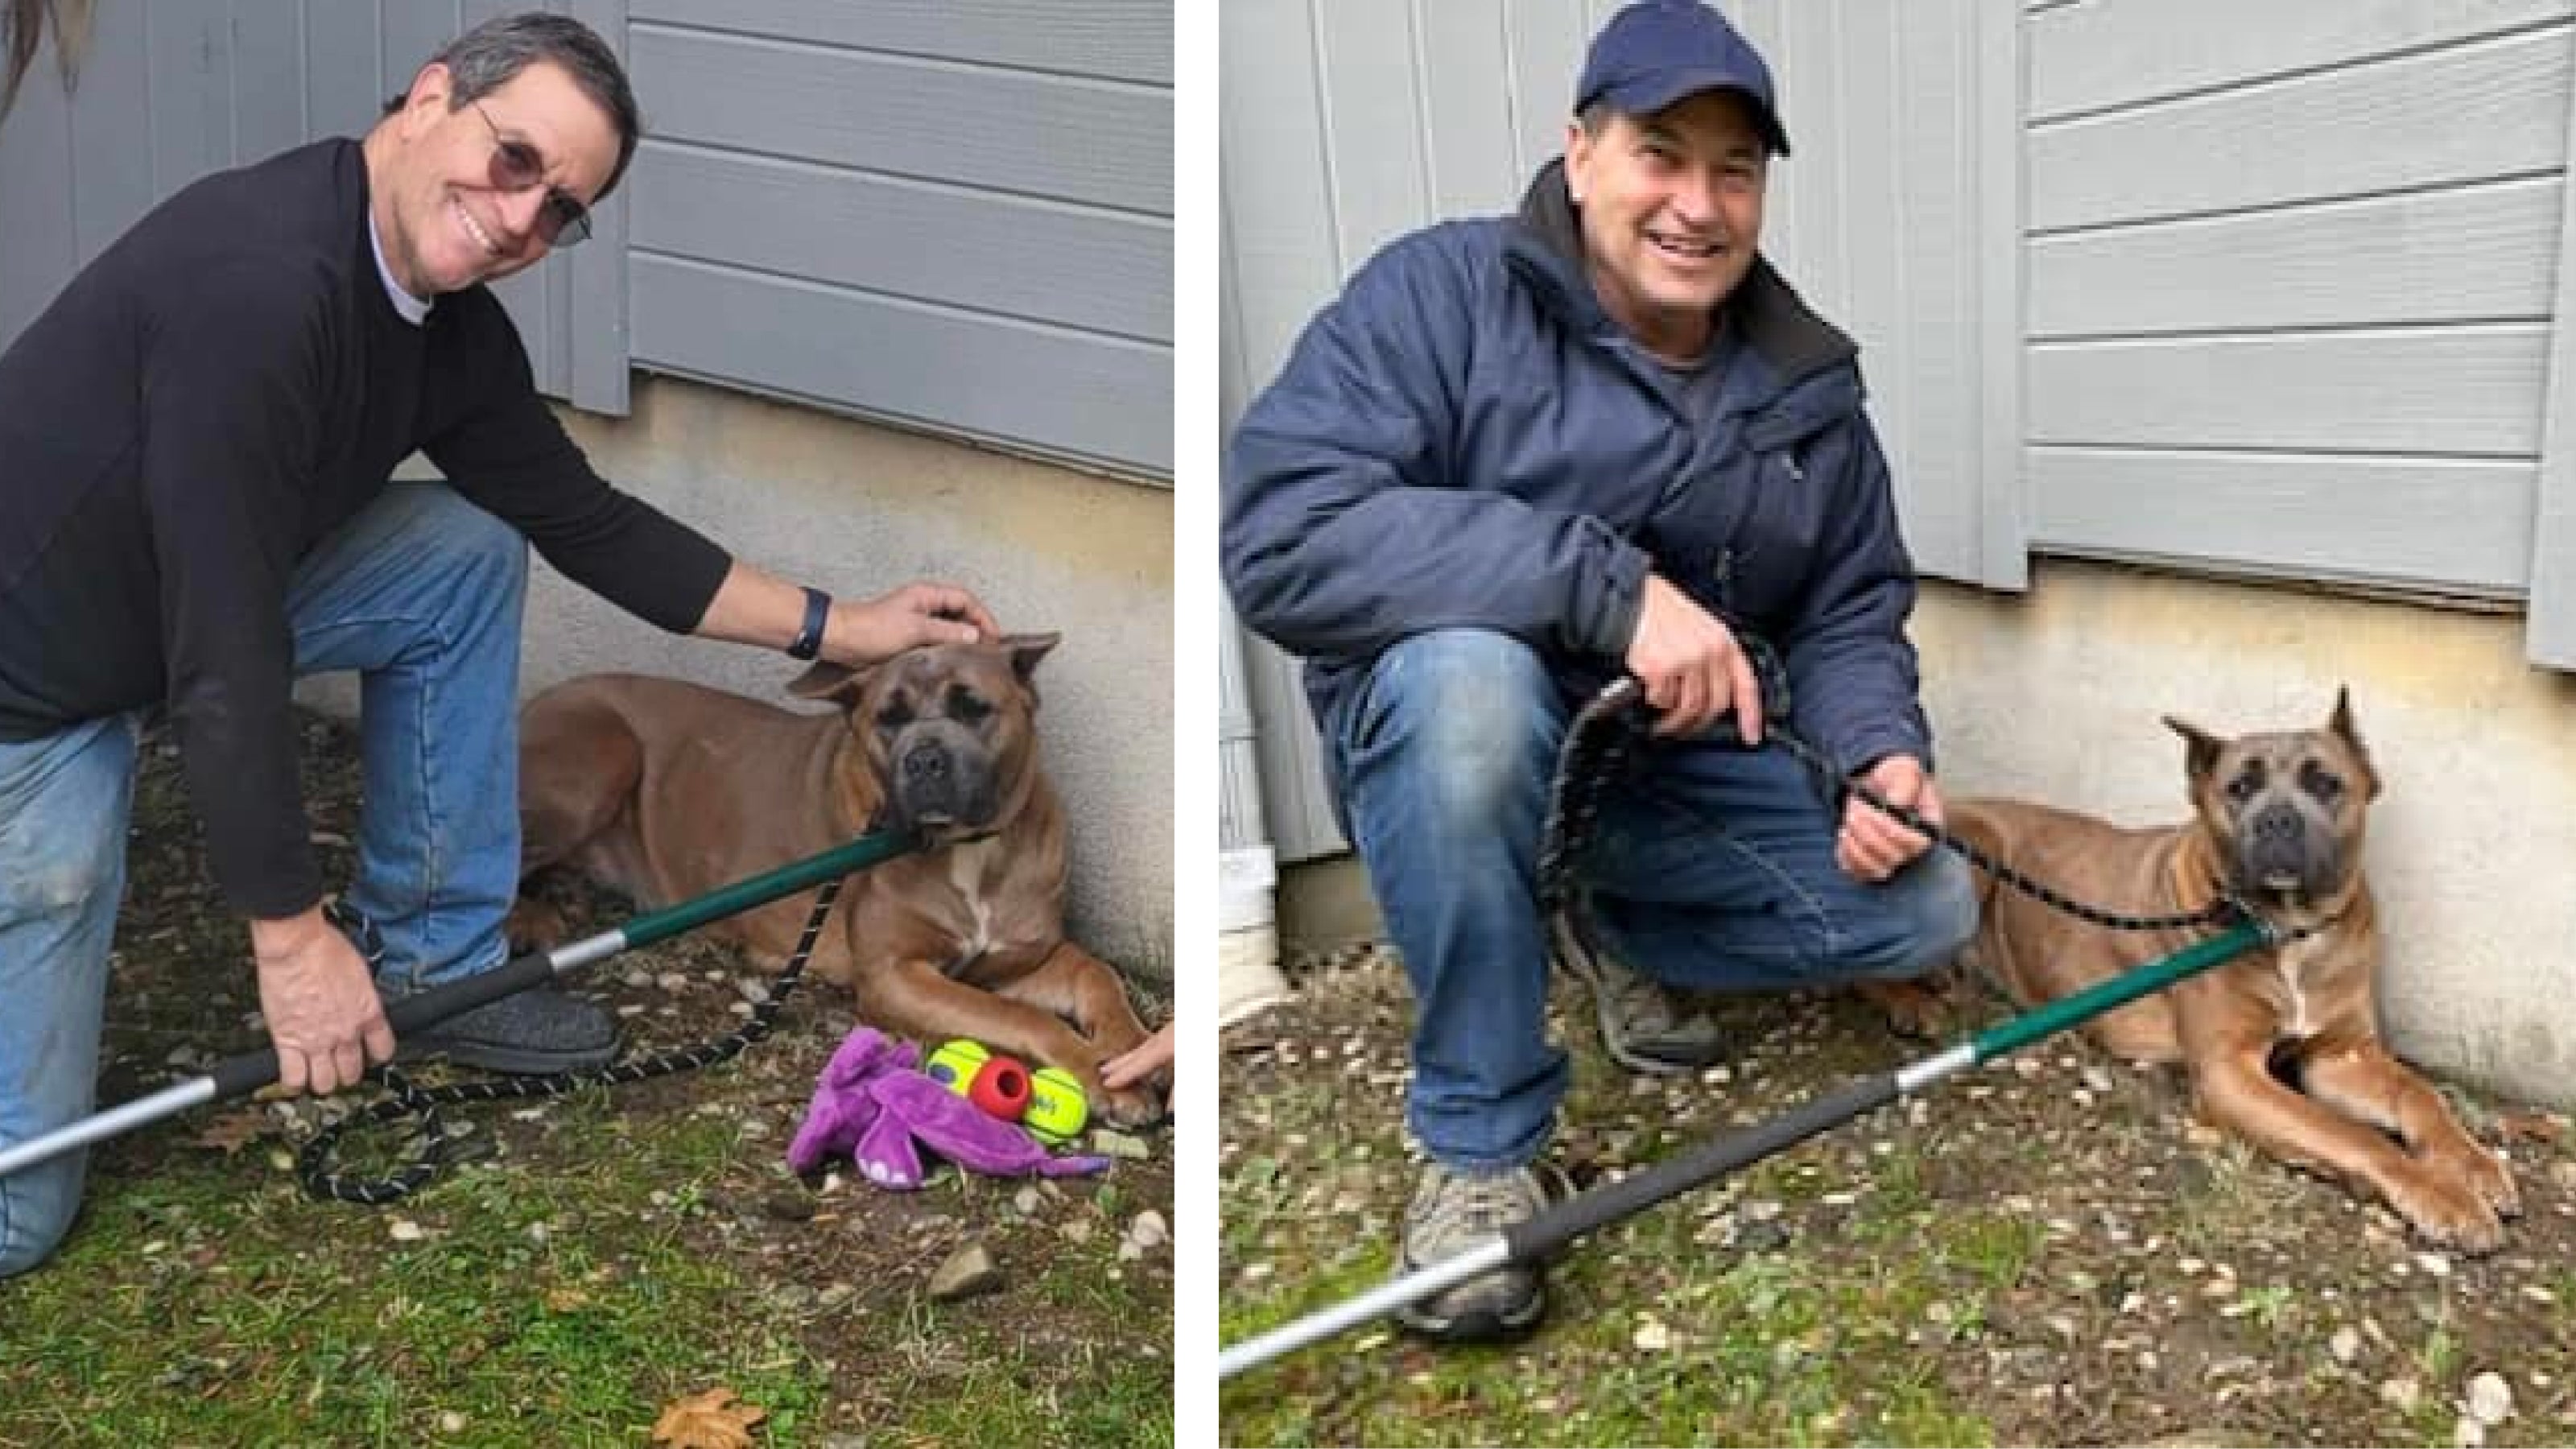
(1521, 455)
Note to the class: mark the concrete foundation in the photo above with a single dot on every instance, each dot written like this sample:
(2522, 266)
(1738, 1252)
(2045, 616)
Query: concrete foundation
(2057, 695)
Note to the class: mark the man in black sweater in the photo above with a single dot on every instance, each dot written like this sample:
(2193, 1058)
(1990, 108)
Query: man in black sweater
(195, 445)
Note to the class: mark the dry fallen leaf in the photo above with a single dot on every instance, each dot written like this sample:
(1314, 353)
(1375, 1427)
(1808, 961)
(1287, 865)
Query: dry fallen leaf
(232, 1131)
(702, 1421)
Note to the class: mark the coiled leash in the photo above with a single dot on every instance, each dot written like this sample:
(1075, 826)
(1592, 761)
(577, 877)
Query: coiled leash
(1597, 744)
(405, 1098)
(1598, 741)
(242, 1075)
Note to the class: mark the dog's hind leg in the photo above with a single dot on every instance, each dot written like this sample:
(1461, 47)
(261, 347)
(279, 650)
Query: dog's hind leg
(579, 768)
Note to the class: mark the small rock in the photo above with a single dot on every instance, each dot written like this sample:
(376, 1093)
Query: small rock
(1025, 1201)
(2345, 1345)
(968, 1271)
(1077, 1231)
(672, 981)
(2401, 1394)
(2434, 1263)
(1110, 1143)
(1149, 1230)
(404, 1230)
(2490, 1398)
(451, 1422)
(2468, 1433)
(1653, 1337)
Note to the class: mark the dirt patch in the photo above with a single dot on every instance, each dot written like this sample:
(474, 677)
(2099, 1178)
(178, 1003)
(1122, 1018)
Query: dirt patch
(2044, 1250)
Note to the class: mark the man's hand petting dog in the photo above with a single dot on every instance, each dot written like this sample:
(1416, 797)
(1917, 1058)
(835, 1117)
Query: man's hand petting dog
(2282, 1043)
(667, 790)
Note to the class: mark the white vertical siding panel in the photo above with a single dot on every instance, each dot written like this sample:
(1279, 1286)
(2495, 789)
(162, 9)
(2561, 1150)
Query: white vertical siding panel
(1462, 70)
(1546, 39)
(267, 78)
(112, 129)
(344, 85)
(191, 72)
(2551, 638)
(1372, 121)
(41, 249)
(1997, 151)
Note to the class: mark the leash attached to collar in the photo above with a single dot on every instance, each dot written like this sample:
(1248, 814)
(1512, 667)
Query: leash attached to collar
(1597, 744)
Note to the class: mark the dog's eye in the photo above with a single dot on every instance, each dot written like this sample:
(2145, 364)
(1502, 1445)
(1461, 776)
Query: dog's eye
(894, 716)
(2322, 783)
(2242, 788)
(965, 708)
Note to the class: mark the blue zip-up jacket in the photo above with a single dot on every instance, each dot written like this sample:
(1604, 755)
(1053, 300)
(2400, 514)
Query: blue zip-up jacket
(1465, 439)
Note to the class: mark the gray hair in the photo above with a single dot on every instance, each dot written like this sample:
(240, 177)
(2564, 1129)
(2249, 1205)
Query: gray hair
(483, 59)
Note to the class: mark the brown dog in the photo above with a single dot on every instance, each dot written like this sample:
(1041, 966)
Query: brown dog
(2279, 821)
(667, 790)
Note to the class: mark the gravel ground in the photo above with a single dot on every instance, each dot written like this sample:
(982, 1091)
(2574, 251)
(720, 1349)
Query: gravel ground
(2045, 1250)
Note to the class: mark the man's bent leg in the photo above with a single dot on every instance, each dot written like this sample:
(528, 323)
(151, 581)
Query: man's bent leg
(1716, 870)
(64, 804)
(1444, 758)
(422, 594)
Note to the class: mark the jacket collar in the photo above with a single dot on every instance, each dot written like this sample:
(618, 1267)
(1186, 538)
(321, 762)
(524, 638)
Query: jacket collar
(1546, 247)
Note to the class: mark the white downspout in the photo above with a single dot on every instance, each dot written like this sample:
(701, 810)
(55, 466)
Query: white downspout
(1248, 976)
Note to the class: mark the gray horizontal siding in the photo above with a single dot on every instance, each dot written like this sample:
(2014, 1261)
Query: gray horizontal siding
(979, 193)
(2472, 112)
(176, 89)
(1111, 39)
(2454, 525)
(1076, 394)
(1076, 266)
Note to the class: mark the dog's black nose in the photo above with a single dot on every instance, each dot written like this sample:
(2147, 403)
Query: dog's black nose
(925, 763)
(2279, 824)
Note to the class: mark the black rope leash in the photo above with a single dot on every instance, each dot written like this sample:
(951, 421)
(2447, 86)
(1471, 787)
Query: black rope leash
(1600, 737)
(406, 1098)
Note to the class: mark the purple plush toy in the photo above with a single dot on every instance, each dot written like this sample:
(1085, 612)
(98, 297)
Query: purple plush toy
(874, 1103)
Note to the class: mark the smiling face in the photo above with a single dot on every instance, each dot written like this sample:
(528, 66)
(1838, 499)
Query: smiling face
(1672, 214)
(444, 225)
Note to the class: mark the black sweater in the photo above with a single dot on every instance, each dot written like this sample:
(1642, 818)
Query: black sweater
(220, 389)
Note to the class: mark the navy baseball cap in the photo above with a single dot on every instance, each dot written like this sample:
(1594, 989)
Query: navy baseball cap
(1656, 52)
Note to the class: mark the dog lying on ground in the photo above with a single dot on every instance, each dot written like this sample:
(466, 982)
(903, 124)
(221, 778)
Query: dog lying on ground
(2282, 1044)
(667, 790)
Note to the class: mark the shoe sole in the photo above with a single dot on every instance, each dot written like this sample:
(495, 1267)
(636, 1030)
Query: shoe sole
(507, 1061)
(1480, 1326)
(1572, 955)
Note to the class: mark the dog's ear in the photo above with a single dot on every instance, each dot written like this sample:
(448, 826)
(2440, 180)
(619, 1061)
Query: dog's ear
(2202, 755)
(838, 683)
(1027, 650)
(2342, 728)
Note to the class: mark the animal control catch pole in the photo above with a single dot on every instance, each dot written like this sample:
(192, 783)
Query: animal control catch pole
(242, 1075)
(1531, 1239)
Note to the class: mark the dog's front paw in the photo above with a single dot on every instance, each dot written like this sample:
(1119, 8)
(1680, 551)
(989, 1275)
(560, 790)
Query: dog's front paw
(2480, 1171)
(1131, 1107)
(2446, 1209)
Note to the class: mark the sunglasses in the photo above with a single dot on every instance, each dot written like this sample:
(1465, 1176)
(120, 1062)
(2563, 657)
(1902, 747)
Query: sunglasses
(516, 166)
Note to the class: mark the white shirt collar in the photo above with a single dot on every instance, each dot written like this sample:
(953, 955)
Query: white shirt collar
(413, 309)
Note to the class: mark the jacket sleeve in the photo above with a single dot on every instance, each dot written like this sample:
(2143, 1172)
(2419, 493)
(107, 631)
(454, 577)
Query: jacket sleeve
(510, 456)
(231, 381)
(1852, 673)
(1346, 523)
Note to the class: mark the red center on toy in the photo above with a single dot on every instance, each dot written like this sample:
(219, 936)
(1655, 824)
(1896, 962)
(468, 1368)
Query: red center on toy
(1001, 1088)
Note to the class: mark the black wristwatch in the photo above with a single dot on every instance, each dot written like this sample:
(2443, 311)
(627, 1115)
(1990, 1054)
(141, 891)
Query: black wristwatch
(809, 639)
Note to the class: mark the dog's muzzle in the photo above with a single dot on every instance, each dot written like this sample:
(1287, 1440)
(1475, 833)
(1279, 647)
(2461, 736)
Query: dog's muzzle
(941, 782)
(2279, 851)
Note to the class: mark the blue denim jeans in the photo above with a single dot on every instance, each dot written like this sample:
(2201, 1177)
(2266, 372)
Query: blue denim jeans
(422, 595)
(1712, 867)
